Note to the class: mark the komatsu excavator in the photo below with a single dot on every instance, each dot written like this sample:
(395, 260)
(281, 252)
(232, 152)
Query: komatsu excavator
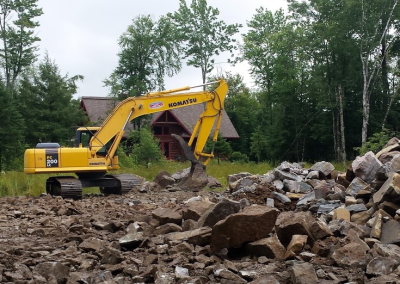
(94, 154)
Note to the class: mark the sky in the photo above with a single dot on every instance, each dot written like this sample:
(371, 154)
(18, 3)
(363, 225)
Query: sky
(81, 36)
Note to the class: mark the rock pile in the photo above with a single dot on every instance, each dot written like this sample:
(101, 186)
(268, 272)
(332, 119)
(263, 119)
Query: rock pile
(290, 225)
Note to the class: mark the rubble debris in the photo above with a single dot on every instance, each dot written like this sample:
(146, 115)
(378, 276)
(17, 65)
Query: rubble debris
(289, 225)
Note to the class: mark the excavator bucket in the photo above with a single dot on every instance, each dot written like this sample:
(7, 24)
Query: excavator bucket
(197, 178)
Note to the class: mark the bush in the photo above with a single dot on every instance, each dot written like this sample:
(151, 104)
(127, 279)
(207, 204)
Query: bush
(238, 157)
(376, 142)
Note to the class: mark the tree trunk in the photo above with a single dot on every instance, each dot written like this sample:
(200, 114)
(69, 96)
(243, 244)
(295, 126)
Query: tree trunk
(395, 89)
(342, 135)
(365, 102)
(335, 136)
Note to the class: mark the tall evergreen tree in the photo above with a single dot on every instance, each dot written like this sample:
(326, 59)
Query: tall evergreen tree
(46, 97)
(12, 129)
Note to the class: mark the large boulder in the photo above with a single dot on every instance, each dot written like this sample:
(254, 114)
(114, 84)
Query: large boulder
(252, 224)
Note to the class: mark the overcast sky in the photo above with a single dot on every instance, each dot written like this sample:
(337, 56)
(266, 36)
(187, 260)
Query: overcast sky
(81, 36)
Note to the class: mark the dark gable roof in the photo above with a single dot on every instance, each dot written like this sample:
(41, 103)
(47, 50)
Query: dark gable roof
(98, 108)
(189, 115)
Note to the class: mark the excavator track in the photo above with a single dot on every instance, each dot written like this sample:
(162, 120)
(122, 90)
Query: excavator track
(65, 186)
(127, 183)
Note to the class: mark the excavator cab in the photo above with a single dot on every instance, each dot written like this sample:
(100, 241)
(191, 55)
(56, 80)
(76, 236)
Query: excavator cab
(83, 136)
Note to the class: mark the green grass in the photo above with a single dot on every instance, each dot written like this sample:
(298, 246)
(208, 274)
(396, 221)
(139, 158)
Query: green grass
(18, 183)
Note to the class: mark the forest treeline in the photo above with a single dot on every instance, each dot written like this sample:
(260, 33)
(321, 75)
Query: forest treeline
(326, 75)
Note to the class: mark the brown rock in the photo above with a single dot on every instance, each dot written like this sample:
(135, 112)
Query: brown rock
(303, 273)
(341, 213)
(52, 269)
(319, 230)
(199, 236)
(390, 190)
(291, 223)
(92, 244)
(351, 256)
(194, 210)
(270, 247)
(166, 215)
(253, 223)
(296, 245)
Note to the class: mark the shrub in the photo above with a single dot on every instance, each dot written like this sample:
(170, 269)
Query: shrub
(376, 142)
(238, 157)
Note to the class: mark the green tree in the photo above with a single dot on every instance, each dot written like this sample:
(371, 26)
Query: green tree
(202, 34)
(221, 148)
(46, 97)
(275, 48)
(147, 149)
(18, 38)
(242, 107)
(12, 129)
(149, 51)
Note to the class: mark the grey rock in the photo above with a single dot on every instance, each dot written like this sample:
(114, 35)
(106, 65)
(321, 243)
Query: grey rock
(218, 212)
(381, 266)
(356, 185)
(280, 197)
(324, 168)
(306, 198)
(355, 208)
(365, 167)
(131, 241)
(390, 232)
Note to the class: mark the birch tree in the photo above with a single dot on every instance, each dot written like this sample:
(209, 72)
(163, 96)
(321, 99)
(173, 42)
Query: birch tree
(370, 36)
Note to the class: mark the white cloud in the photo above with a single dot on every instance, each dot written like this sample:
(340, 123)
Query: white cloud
(81, 36)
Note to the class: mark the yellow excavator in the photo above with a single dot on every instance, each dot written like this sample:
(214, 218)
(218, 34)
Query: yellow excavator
(95, 148)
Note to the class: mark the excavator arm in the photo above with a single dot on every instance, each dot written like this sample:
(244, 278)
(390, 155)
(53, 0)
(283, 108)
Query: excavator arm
(133, 107)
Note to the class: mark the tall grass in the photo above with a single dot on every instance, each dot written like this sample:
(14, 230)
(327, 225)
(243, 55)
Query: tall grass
(18, 183)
